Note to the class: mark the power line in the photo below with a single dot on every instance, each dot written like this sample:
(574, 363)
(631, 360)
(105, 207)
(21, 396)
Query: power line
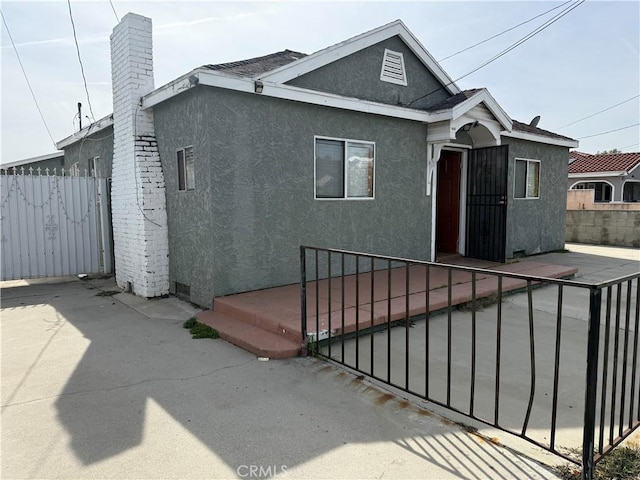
(629, 146)
(530, 35)
(114, 11)
(27, 79)
(503, 32)
(598, 113)
(75, 39)
(610, 131)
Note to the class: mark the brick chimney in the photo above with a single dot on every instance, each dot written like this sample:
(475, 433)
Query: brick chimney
(138, 200)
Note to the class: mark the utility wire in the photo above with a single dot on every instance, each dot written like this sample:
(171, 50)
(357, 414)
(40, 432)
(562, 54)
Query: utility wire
(27, 79)
(530, 35)
(503, 32)
(598, 113)
(629, 146)
(610, 131)
(114, 11)
(75, 39)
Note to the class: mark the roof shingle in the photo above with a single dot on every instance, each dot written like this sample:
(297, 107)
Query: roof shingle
(258, 65)
(610, 162)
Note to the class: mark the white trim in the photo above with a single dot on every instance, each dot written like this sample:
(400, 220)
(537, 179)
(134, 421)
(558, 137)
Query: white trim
(343, 49)
(613, 189)
(26, 161)
(620, 173)
(483, 96)
(286, 92)
(95, 127)
(526, 178)
(385, 75)
(344, 164)
(540, 139)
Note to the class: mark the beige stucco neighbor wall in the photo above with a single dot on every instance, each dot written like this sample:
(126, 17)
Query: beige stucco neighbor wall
(601, 223)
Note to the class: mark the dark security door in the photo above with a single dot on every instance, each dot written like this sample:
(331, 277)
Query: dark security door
(487, 203)
(448, 202)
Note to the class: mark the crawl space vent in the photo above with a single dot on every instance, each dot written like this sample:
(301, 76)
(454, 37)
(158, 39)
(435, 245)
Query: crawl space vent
(393, 68)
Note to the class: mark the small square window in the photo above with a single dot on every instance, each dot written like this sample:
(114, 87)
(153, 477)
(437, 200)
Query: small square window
(527, 179)
(344, 168)
(186, 169)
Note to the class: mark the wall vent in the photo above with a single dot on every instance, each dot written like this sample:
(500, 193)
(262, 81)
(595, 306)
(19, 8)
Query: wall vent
(393, 68)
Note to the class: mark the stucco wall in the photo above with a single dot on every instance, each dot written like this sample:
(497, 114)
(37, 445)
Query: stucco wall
(358, 75)
(253, 203)
(98, 144)
(604, 227)
(583, 200)
(537, 225)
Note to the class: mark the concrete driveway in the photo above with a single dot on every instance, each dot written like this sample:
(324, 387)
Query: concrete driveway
(101, 386)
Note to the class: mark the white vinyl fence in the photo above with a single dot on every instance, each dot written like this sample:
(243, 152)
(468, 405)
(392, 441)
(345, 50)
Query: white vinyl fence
(53, 226)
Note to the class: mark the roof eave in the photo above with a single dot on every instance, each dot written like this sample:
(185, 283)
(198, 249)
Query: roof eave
(532, 137)
(104, 122)
(621, 173)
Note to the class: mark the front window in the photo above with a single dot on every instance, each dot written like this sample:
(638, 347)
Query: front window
(527, 183)
(631, 191)
(344, 169)
(186, 173)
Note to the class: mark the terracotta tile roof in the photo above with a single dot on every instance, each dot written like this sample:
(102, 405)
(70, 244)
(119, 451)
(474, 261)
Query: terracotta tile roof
(258, 65)
(611, 162)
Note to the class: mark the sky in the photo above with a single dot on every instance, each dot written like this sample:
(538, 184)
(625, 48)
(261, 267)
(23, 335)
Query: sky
(585, 62)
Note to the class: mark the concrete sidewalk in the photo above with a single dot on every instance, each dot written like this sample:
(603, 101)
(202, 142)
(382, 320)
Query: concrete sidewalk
(101, 386)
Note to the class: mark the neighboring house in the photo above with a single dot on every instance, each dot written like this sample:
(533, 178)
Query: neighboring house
(48, 162)
(367, 145)
(614, 177)
(91, 149)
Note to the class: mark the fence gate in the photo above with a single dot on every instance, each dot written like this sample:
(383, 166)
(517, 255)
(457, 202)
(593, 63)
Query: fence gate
(53, 225)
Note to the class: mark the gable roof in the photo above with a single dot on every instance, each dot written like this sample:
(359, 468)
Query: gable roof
(611, 162)
(357, 43)
(258, 65)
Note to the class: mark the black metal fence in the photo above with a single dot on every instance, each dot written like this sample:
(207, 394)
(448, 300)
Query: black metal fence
(516, 364)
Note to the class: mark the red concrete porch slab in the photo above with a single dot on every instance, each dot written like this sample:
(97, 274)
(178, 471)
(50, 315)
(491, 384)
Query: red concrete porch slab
(268, 322)
(253, 339)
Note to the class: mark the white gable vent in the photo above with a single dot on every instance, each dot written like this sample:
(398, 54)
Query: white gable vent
(393, 68)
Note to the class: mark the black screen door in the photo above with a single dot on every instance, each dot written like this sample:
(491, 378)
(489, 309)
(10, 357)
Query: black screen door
(487, 203)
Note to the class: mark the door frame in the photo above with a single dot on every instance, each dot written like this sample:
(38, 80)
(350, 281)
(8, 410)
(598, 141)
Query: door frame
(462, 214)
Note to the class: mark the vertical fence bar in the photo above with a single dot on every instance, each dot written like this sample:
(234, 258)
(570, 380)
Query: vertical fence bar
(532, 352)
(624, 359)
(373, 264)
(329, 300)
(556, 370)
(358, 312)
(635, 353)
(317, 302)
(496, 400)
(407, 325)
(388, 321)
(616, 341)
(426, 332)
(472, 394)
(449, 280)
(605, 371)
(342, 301)
(303, 299)
(595, 303)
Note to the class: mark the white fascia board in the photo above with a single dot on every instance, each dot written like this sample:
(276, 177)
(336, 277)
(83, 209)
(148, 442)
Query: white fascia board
(633, 168)
(95, 127)
(286, 92)
(462, 108)
(598, 174)
(27, 161)
(343, 49)
(540, 139)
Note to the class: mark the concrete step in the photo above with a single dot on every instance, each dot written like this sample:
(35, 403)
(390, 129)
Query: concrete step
(250, 337)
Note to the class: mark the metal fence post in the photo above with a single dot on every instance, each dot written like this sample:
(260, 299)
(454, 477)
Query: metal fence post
(595, 303)
(303, 298)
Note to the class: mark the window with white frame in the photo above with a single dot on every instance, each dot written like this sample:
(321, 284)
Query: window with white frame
(186, 169)
(93, 166)
(527, 179)
(344, 169)
(603, 192)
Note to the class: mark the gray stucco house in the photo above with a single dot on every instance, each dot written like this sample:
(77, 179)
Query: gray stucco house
(367, 145)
